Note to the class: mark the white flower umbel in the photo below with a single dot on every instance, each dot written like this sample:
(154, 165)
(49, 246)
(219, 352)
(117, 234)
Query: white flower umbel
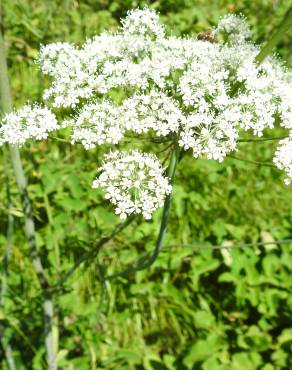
(153, 111)
(67, 66)
(211, 127)
(204, 93)
(209, 135)
(234, 28)
(53, 56)
(283, 158)
(143, 22)
(98, 123)
(265, 94)
(133, 182)
(30, 122)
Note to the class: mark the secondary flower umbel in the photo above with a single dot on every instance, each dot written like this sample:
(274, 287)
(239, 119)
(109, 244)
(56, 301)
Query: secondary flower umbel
(28, 122)
(283, 158)
(98, 123)
(133, 182)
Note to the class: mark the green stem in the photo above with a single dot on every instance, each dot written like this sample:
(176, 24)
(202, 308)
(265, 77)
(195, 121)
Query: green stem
(9, 235)
(166, 208)
(6, 106)
(269, 46)
(5, 341)
(283, 27)
(143, 264)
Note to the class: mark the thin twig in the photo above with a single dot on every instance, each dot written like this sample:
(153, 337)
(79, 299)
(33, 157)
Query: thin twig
(262, 139)
(165, 148)
(60, 139)
(151, 139)
(265, 164)
(93, 251)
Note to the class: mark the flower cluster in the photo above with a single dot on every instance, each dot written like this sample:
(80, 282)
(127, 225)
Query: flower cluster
(200, 94)
(134, 183)
(98, 123)
(235, 29)
(69, 72)
(143, 22)
(29, 122)
(189, 79)
(153, 111)
(209, 135)
(283, 158)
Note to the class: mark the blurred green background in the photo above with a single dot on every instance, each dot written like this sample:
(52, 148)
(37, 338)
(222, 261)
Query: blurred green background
(222, 309)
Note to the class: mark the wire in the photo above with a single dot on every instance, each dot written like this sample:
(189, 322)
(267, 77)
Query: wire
(138, 264)
(240, 246)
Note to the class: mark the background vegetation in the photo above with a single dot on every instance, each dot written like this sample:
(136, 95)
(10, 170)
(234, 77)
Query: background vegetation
(196, 308)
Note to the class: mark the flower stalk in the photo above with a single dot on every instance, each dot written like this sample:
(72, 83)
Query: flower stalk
(283, 27)
(143, 264)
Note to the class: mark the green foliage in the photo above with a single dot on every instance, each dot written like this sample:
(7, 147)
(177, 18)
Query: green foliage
(195, 308)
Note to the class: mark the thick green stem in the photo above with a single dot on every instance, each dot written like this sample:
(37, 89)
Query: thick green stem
(166, 209)
(6, 106)
(283, 27)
